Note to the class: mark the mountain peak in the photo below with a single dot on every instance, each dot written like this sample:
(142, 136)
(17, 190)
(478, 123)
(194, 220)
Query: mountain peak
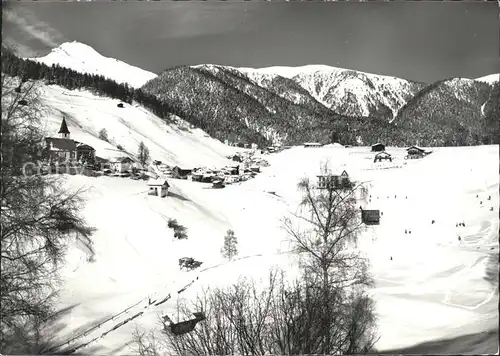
(75, 48)
(84, 59)
(490, 79)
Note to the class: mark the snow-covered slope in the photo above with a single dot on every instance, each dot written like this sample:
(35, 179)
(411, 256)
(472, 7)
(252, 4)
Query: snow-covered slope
(490, 79)
(434, 287)
(87, 114)
(336, 87)
(84, 59)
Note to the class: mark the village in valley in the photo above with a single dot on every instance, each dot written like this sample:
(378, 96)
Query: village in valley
(65, 155)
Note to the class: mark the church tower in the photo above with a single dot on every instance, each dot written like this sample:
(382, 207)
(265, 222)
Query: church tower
(63, 131)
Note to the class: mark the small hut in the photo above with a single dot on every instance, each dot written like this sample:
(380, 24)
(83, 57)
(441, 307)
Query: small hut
(415, 152)
(158, 187)
(378, 147)
(183, 327)
(237, 158)
(217, 184)
(234, 170)
(197, 177)
(382, 156)
(370, 217)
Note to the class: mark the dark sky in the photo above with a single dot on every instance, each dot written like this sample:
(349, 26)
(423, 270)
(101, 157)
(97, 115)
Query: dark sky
(423, 41)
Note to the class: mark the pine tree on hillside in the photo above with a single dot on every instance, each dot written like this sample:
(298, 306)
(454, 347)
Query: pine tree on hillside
(229, 250)
(103, 135)
(143, 154)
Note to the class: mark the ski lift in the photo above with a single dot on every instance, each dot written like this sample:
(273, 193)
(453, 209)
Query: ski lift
(18, 89)
(182, 327)
(23, 102)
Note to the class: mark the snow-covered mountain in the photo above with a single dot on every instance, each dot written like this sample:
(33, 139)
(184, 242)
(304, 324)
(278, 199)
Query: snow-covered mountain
(490, 79)
(347, 92)
(84, 59)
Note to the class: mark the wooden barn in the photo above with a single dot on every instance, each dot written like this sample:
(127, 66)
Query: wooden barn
(255, 169)
(370, 217)
(382, 156)
(180, 173)
(182, 327)
(378, 147)
(415, 152)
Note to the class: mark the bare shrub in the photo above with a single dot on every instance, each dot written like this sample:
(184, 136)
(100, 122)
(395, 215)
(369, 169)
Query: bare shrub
(180, 231)
(103, 135)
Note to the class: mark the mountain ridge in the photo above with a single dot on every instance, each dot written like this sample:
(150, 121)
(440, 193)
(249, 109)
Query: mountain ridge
(289, 105)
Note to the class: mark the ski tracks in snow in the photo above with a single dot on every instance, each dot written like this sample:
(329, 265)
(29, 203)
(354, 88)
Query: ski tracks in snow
(94, 334)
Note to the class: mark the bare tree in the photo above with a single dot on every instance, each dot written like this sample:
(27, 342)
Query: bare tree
(237, 322)
(37, 216)
(143, 154)
(334, 275)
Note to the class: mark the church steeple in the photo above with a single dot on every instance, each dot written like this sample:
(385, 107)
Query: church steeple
(64, 129)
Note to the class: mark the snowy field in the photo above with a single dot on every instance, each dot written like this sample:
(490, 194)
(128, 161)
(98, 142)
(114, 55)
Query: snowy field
(435, 287)
(87, 114)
